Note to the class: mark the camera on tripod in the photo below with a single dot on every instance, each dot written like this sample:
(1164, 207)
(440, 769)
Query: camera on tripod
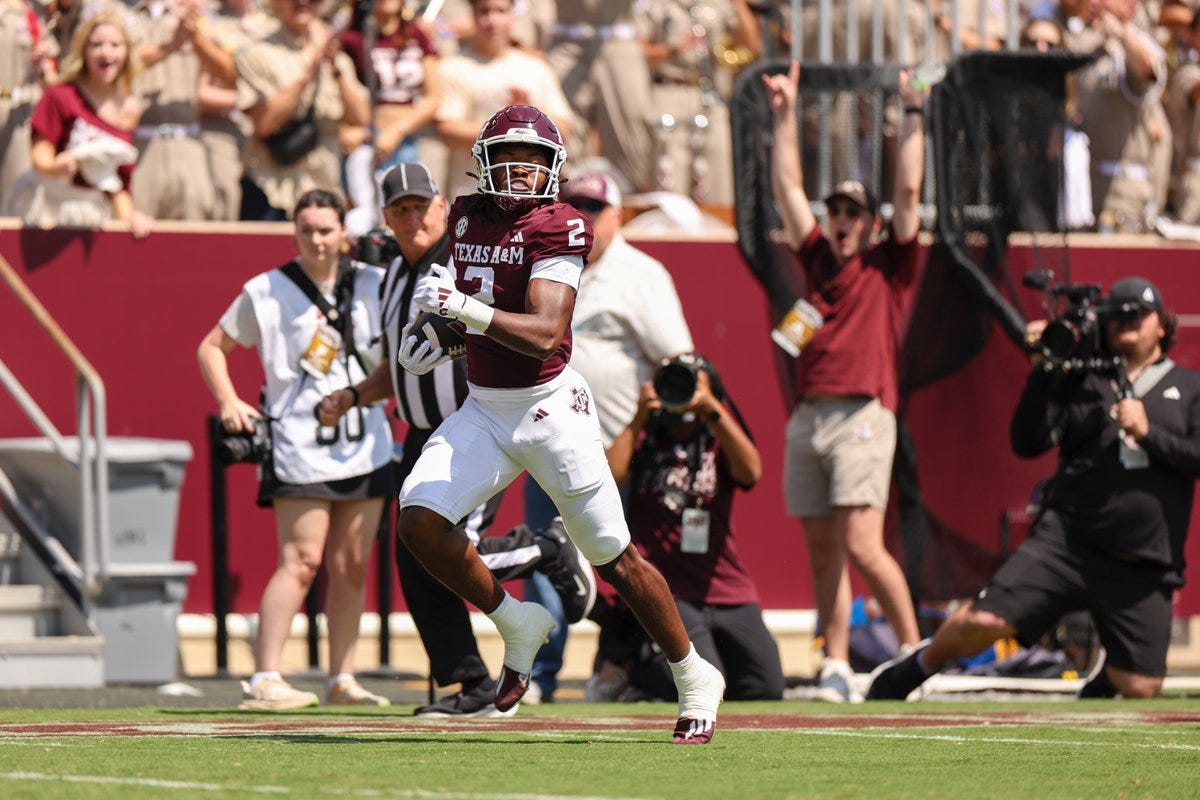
(1073, 339)
(239, 447)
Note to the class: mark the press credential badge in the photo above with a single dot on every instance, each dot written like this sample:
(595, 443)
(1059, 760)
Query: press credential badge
(322, 350)
(695, 531)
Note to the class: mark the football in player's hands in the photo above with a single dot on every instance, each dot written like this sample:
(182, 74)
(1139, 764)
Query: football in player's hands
(444, 332)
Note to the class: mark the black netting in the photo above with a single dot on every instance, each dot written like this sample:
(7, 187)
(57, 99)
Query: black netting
(996, 125)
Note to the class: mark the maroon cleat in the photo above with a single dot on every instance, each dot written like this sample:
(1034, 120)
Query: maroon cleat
(692, 731)
(510, 688)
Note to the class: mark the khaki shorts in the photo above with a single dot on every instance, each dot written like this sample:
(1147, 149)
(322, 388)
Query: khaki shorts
(838, 454)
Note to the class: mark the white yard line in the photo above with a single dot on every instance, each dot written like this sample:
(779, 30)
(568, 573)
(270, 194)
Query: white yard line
(936, 737)
(196, 786)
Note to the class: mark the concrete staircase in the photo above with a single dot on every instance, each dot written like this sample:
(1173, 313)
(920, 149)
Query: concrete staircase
(45, 641)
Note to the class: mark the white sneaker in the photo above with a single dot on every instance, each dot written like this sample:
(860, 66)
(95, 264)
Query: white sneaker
(836, 684)
(351, 693)
(700, 692)
(275, 694)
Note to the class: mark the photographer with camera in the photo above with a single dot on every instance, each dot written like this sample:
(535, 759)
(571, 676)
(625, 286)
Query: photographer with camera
(684, 456)
(1108, 537)
(313, 321)
(841, 436)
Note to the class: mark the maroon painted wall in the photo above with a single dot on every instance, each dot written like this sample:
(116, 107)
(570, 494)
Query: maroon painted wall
(139, 309)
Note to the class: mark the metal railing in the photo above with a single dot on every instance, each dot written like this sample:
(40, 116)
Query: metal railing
(864, 32)
(90, 457)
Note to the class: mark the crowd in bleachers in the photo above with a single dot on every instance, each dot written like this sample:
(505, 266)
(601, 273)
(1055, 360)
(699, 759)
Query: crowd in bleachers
(235, 107)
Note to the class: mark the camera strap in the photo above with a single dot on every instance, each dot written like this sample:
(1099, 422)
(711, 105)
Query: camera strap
(339, 316)
(1151, 375)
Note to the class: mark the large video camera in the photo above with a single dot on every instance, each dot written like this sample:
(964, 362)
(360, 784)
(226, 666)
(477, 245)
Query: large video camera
(240, 447)
(1073, 340)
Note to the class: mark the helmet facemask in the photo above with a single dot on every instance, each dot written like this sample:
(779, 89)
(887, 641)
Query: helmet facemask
(495, 177)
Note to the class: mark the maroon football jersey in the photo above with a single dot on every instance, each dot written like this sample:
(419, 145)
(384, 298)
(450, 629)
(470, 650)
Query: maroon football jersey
(494, 251)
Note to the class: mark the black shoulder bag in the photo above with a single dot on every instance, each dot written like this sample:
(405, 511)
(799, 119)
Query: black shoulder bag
(298, 137)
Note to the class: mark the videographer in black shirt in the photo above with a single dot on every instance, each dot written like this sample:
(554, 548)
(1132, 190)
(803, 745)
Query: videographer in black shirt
(1110, 532)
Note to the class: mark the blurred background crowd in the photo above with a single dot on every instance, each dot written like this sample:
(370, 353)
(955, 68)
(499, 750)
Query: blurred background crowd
(229, 110)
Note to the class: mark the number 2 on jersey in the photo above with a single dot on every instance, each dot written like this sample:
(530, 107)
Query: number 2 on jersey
(575, 234)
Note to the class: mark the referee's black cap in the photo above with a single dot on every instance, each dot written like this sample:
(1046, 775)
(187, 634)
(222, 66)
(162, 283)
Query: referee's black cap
(408, 180)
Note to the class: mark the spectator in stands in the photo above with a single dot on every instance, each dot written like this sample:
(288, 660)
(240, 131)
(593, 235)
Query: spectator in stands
(83, 154)
(415, 212)
(1183, 92)
(627, 319)
(533, 24)
(27, 66)
(1075, 18)
(406, 93)
(1118, 98)
(315, 323)
(682, 41)
(684, 462)
(842, 433)
(297, 88)
(596, 54)
(63, 18)
(224, 130)
(1042, 34)
(1108, 537)
(487, 75)
(970, 36)
(173, 180)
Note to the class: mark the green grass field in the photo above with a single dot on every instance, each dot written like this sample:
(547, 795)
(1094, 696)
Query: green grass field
(1085, 749)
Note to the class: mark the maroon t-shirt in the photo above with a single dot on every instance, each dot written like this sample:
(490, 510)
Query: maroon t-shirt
(665, 483)
(494, 252)
(65, 116)
(397, 59)
(856, 351)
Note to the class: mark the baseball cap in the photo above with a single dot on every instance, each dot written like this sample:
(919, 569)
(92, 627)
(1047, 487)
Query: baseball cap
(1135, 292)
(592, 186)
(408, 180)
(856, 193)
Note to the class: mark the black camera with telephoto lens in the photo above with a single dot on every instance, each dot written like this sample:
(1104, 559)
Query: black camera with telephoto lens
(377, 246)
(239, 447)
(676, 378)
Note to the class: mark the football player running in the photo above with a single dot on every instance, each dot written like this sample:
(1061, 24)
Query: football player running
(516, 255)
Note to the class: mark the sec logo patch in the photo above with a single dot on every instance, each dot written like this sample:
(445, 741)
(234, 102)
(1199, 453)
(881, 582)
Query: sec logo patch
(460, 227)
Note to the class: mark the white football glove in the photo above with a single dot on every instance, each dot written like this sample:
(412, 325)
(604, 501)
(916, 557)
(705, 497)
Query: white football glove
(435, 292)
(420, 359)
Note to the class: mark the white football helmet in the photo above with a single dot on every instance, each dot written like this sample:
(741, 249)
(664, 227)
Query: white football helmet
(518, 125)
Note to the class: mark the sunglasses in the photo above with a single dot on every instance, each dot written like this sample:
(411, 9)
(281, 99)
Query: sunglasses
(588, 206)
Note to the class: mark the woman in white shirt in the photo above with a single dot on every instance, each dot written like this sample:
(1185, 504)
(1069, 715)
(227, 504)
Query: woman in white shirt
(314, 321)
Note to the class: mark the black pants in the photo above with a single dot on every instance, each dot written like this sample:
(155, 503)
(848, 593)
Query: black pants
(733, 638)
(440, 615)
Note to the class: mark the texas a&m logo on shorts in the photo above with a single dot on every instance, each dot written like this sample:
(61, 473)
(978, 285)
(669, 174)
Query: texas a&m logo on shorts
(581, 403)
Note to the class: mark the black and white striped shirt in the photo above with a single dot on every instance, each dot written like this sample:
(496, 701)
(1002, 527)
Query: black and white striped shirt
(422, 401)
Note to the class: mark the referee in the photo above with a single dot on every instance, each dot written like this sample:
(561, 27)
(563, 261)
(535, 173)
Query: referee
(416, 214)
